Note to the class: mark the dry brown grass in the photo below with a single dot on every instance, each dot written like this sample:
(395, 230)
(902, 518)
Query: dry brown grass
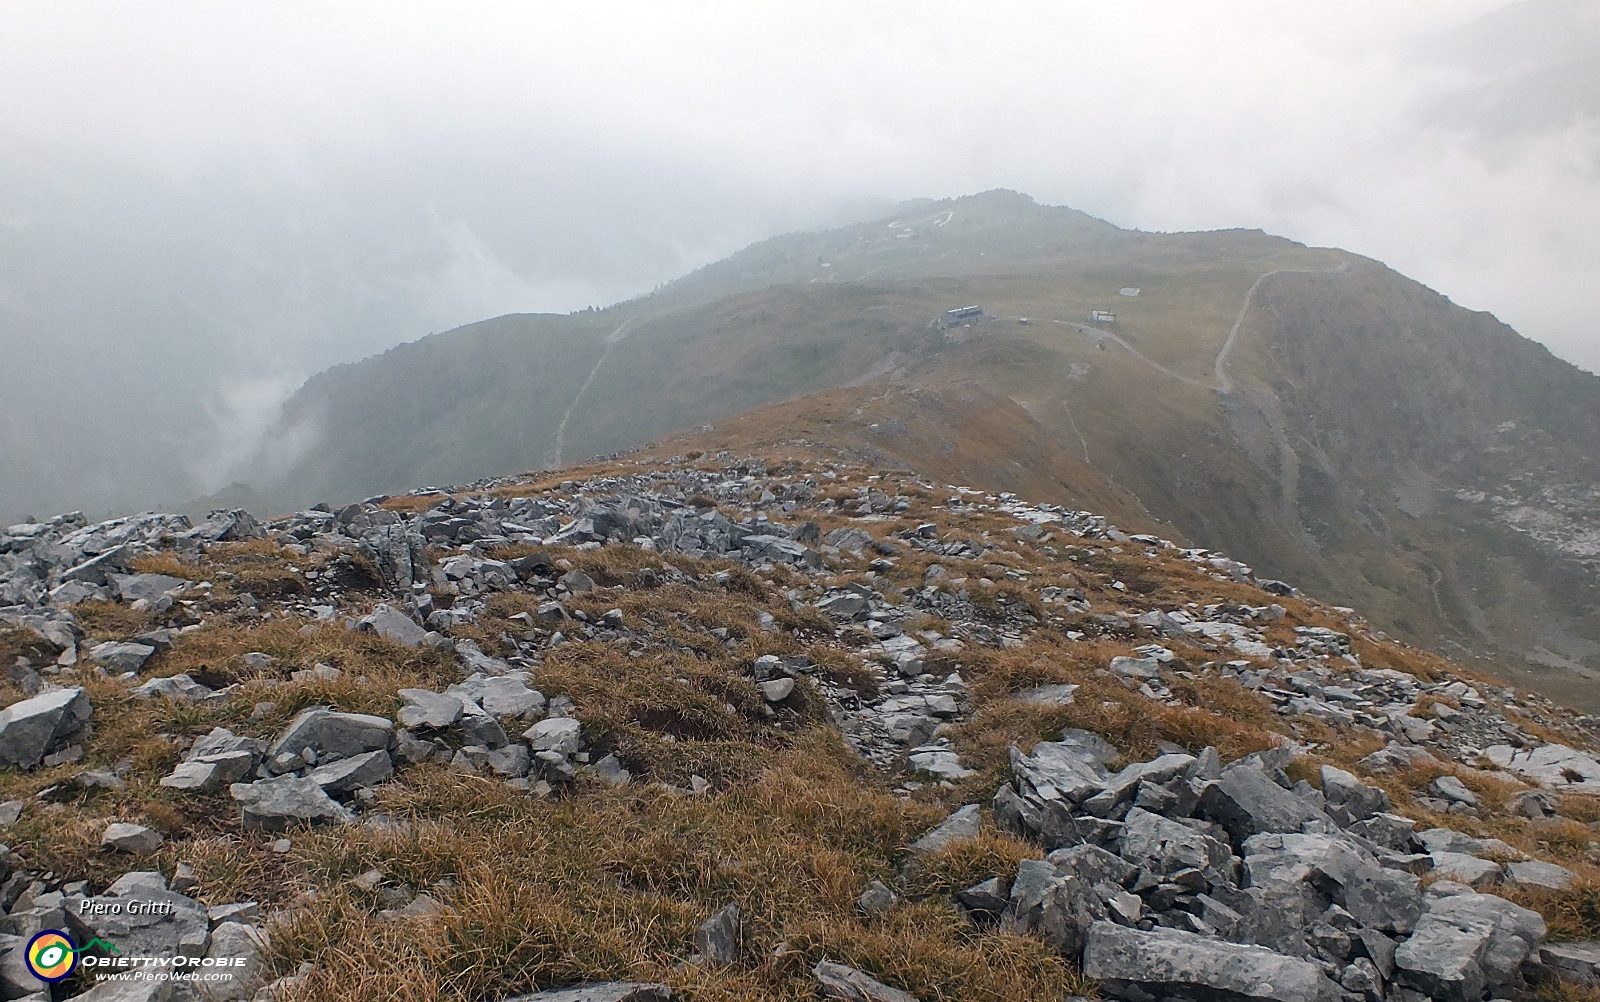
(170, 564)
(414, 504)
(992, 854)
(110, 619)
(598, 883)
(611, 884)
(1218, 711)
(1570, 914)
(1566, 991)
(16, 644)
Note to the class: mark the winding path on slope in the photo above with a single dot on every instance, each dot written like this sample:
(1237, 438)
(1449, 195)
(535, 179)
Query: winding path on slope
(1223, 383)
(1100, 332)
(561, 429)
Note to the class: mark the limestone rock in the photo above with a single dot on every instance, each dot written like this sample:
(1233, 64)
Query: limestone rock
(279, 803)
(179, 688)
(1170, 963)
(1469, 870)
(1465, 944)
(850, 985)
(32, 728)
(960, 826)
(876, 899)
(219, 759)
(717, 939)
(176, 926)
(1164, 846)
(502, 696)
(988, 897)
(1536, 873)
(346, 775)
(331, 733)
(242, 941)
(133, 587)
(421, 708)
(1576, 961)
(122, 657)
(1554, 767)
(392, 624)
(1246, 802)
(132, 838)
(1344, 790)
(777, 690)
(562, 735)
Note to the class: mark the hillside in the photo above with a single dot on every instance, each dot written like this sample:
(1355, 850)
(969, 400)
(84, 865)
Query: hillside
(767, 724)
(1325, 419)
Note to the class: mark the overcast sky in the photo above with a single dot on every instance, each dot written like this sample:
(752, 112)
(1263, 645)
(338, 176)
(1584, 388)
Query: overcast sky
(202, 204)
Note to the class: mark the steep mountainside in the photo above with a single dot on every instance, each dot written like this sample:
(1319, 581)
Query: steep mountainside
(1318, 415)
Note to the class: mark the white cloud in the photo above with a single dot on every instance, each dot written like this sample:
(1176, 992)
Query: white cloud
(282, 187)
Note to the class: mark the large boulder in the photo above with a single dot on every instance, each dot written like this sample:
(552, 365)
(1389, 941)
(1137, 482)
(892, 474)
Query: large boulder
(346, 775)
(430, 710)
(1172, 964)
(501, 696)
(392, 624)
(133, 587)
(1121, 787)
(1536, 873)
(1554, 767)
(124, 837)
(178, 688)
(1379, 897)
(1059, 898)
(1464, 869)
(1576, 961)
(1358, 801)
(332, 734)
(1055, 769)
(1466, 944)
(1164, 846)
(16, 980)
(32, 728)
(245, 946)
(1284, 901)
(1340, 869)
(1247, 802)
(286, 801)
(122, 657)
(227, 527)
(560, 735)
(217, 760)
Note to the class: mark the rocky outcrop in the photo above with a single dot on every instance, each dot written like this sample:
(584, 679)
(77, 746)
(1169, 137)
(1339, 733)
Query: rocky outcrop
(1185, 878)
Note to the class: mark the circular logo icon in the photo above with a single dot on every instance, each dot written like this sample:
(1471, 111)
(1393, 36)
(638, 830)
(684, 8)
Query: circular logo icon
(51, 955)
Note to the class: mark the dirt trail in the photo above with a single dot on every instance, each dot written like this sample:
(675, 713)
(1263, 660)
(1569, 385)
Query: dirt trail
(1100, 332)
(561, 429)
(1223, 383)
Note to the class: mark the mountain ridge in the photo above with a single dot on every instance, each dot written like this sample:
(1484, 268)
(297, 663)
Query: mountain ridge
(1311, 410)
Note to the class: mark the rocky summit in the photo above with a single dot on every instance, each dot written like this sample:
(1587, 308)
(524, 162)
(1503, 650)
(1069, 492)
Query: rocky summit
(746, 726)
